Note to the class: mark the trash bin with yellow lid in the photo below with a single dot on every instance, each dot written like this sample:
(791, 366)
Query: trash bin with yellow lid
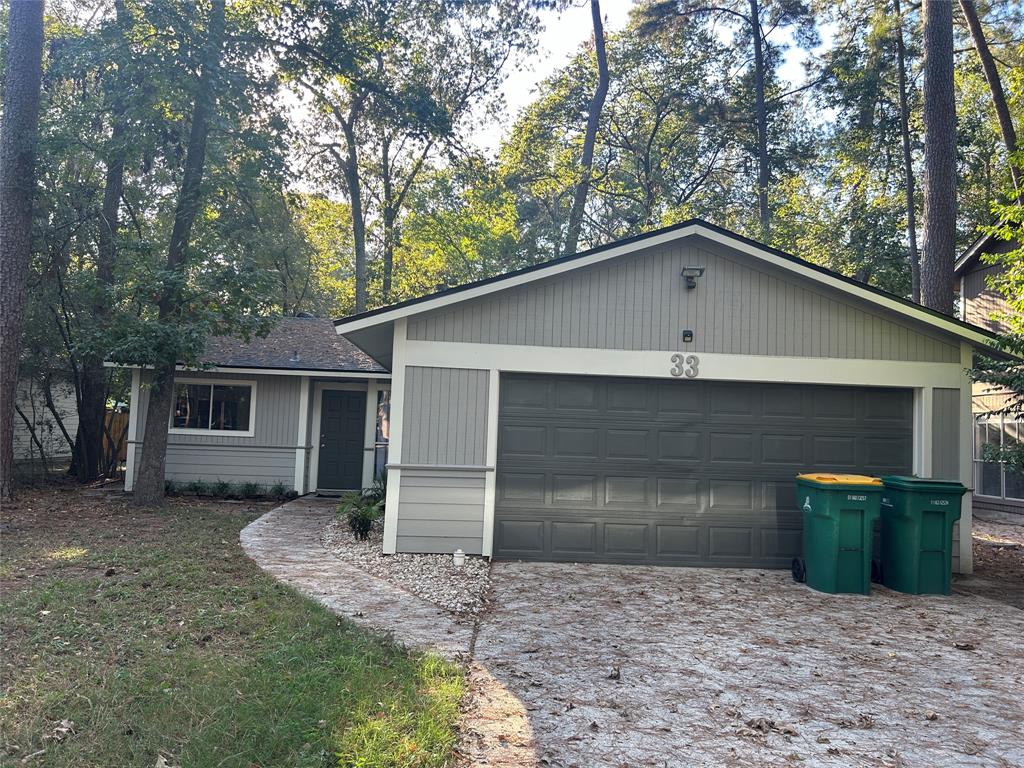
(840, 512)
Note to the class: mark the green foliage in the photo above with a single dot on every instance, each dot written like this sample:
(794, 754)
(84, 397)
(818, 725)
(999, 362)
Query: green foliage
(277, 490)
(221, 489)
(197, 488)
(360, 512)
(250, 490)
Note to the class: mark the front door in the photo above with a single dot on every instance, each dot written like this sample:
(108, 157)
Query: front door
(342, 424)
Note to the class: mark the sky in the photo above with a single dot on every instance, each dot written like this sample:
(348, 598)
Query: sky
(562, 36)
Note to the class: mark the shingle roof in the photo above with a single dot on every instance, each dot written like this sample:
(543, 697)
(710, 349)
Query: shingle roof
(295, 343)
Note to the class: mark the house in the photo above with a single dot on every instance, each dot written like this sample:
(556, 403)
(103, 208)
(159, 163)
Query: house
(37, 433)
(650, 401)
(996, 488)
(301, 408)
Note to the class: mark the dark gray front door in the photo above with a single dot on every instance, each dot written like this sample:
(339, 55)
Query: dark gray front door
(678, 472)
(342, 424)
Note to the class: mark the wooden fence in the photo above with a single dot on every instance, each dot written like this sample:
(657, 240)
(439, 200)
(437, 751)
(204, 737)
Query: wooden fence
(116, 428)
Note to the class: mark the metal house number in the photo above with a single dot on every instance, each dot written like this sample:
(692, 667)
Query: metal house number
(685, 365)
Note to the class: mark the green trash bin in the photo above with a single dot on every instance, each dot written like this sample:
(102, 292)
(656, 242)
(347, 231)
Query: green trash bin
(840, 512)
(917, 533)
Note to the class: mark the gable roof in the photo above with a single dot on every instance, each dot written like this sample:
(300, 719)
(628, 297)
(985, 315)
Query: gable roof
(699, 227)
(987, 243)
(295, 344)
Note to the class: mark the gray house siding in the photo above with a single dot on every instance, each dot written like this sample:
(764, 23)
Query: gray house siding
(441, 511)
(266, 458)
(980, 301)
(446, 416)
(634, 303)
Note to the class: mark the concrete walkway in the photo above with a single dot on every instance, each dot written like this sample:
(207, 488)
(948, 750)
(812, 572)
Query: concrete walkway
(286, 543)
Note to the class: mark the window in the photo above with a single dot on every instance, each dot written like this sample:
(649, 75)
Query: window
(215, 407)
(993, 478)
(380, 441)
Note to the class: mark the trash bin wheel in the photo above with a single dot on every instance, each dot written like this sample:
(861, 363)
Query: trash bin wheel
(876, 571)
(799, 572)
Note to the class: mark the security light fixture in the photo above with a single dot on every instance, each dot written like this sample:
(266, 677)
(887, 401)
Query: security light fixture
(687, 336)
(690, 274)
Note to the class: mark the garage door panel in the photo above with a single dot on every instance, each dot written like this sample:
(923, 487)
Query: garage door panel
(683, 473)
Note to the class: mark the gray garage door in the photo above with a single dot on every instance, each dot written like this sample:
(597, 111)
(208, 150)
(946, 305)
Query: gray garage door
(678, 472)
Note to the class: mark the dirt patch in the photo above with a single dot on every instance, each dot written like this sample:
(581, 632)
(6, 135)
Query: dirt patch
(998, 563)
(613, 666)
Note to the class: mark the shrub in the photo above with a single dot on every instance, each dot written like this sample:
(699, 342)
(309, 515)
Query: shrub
(360, 513)
(278, 490)
(222, 489)
(250, 491)
(377, 493)
(197, 488)
(170, 487)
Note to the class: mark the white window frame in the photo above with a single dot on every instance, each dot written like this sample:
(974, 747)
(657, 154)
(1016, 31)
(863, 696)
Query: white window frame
(251, 432)
(999, 420)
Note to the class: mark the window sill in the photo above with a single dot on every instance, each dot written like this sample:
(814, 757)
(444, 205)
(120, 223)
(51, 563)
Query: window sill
(210, 432)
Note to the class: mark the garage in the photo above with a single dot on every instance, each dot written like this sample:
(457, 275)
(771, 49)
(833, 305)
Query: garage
(678, 472)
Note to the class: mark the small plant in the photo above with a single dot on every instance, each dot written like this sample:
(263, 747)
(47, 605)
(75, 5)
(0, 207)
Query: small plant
(170, 487)
(197, 488)
(222, 489)
(377, 493)
(360, 513)
(278, 490)
(250, 491)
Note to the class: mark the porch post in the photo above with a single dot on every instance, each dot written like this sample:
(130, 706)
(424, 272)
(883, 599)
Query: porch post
(302, 437)
(133, 429)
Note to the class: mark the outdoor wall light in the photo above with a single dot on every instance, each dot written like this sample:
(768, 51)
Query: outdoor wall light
(690, 274)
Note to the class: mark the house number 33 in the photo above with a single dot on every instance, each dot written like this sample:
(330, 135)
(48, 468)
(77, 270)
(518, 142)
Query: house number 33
(685, 365)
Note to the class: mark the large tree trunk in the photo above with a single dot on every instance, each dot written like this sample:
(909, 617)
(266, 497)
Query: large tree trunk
(579, 198)
(939, 244)
(908, 158)
(18, 137)
(149, 489)
(988, 64)
(761, 118)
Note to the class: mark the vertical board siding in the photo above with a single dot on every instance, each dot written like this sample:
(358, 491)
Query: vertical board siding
(640, 302)
(445, 416)
(441, 511)
(946, 447)
(946, 434)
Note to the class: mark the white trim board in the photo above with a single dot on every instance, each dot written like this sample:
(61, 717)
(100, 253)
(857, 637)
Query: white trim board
(133, 429)
(658, 238)
(302, 437)
(714, 366)
(394, 482)
(311, 373)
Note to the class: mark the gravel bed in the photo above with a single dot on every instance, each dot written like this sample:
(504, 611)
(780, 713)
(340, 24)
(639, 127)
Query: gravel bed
(434, 578)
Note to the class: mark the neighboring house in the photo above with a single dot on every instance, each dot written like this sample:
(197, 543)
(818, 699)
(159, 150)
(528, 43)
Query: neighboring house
(995, 487)
(302, 408)
(31, 403)
(651, 400)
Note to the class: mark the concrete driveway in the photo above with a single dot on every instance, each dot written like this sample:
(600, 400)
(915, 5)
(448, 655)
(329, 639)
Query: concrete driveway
(589, 665)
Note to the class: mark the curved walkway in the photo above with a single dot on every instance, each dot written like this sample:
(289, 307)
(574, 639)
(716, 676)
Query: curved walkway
(286, 543)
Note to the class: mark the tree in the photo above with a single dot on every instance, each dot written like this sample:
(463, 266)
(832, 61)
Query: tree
(579, 200)
(995, 85)
(149, 488)
(939, 243)
(908, 156)
(754, 18)
(390, 81)
(23, 69)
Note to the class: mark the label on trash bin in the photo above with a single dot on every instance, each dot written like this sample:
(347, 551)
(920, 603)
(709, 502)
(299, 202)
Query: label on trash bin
(940, 502)
(886, 501)
(855, 497)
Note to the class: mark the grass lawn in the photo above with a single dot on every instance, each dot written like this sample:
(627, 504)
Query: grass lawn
(142, 638)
